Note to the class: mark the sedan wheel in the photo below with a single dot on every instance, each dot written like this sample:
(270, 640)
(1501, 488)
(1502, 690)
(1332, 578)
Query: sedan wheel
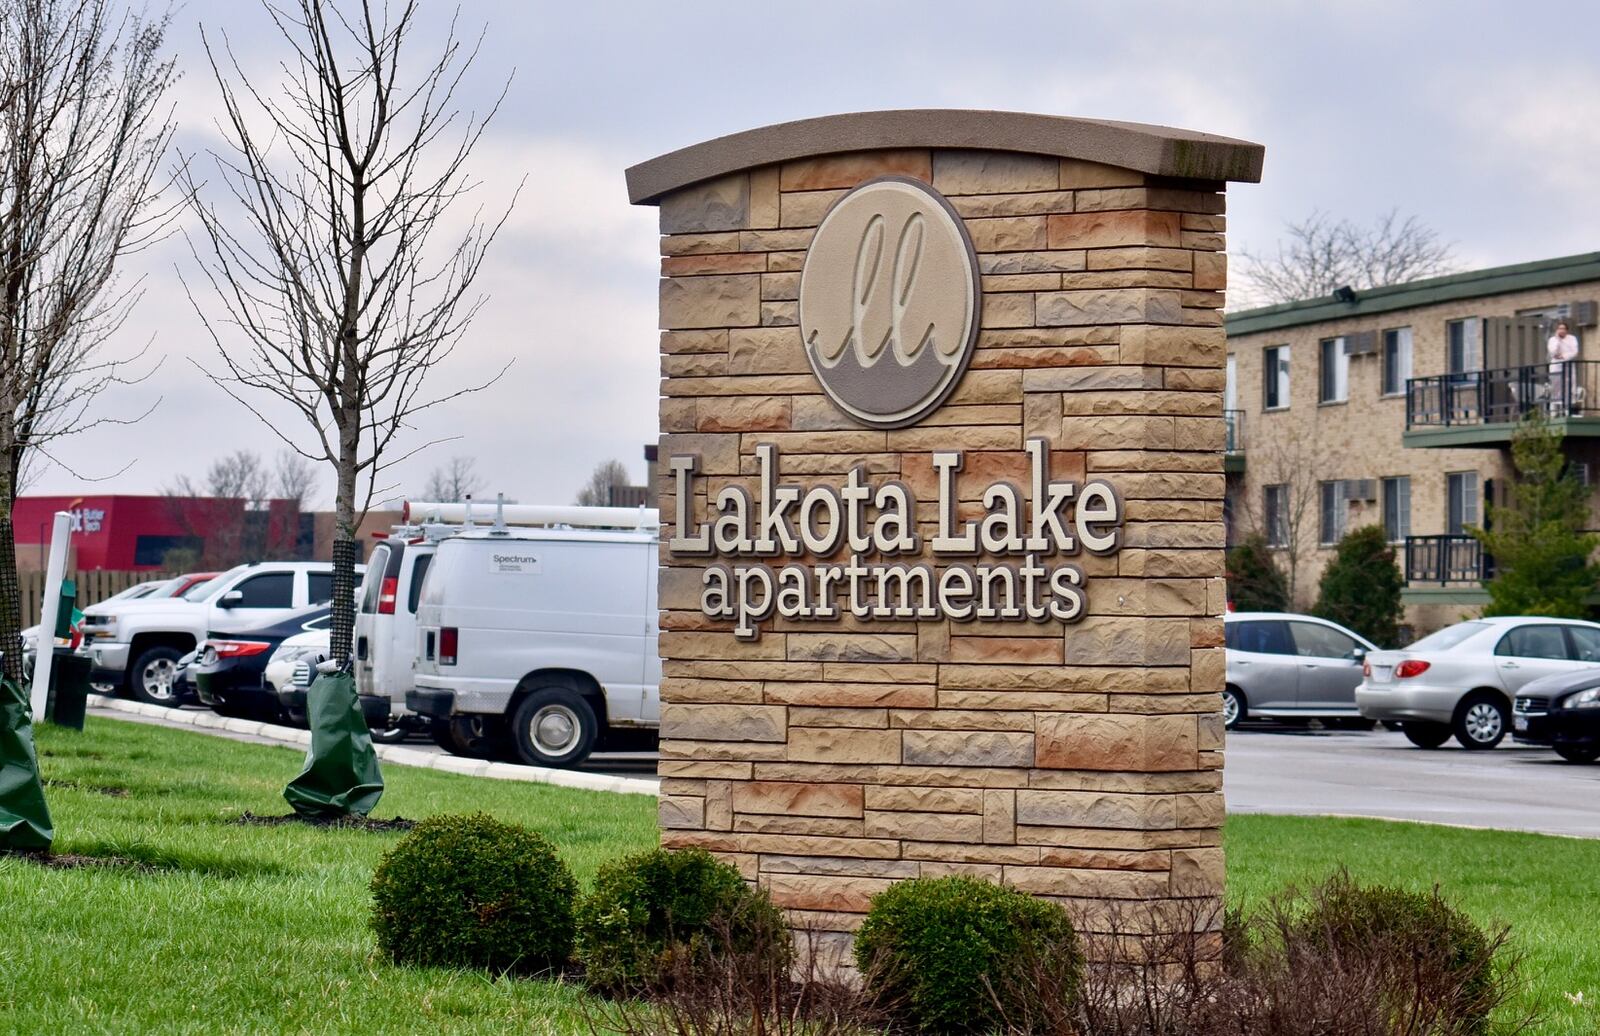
(1425, 735)
(1578, 753)
(1480, 722)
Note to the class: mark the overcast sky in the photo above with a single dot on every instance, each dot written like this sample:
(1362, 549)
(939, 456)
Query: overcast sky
(1483, 119)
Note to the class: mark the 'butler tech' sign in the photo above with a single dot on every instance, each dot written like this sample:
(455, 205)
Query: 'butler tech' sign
(889, 297)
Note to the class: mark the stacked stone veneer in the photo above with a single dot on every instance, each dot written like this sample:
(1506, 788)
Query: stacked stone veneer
(1080, 762)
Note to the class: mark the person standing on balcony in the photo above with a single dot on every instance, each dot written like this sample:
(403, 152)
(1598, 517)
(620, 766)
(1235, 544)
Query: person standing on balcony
(1563, 347)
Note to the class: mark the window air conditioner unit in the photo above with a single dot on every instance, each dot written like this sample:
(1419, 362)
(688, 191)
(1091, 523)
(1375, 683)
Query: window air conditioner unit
(1362, 343)
(1361, 489)
(1584, 314)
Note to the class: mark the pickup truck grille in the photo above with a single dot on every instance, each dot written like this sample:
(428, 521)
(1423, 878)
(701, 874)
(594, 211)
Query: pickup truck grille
(1533, 704)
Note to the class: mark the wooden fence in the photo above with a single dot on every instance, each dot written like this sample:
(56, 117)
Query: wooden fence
(93, 587)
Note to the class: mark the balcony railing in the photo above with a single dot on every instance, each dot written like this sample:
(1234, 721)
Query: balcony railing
(1233, 425)
(1504, 395)
(1448, 560)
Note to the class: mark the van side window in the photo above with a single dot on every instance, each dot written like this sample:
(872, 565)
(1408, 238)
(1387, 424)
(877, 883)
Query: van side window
(418, 570)
(372, 584)
(1265, 638)
(319, 587)
(270, 590)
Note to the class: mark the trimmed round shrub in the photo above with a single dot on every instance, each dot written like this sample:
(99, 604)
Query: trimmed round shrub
(649, 910)
(957, 955)
(1429, 950)
(471, 891)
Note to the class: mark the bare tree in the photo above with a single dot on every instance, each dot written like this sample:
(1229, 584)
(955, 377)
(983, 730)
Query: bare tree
(1320, 255)
(82, 139)
(607, 476)
(294, 478)
(1291, 461)
(334, 297)
(453, 482)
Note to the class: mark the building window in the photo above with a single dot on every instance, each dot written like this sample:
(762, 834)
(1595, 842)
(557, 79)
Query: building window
(1276, 512)
(1396, 360)
(1335, 374)
(1397, 508)
(1334, 510)
(1230, 385)
(1275, 377)
(1464, 344)
(1463, 494)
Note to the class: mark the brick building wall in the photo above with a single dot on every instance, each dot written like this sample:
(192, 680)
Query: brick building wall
(1076, 761)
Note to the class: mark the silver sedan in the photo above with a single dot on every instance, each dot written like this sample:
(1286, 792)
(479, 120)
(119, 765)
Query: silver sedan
(1461, 680)
(1286, 666)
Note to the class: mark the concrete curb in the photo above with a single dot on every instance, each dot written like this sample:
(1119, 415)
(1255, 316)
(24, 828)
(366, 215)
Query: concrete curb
(397, 754)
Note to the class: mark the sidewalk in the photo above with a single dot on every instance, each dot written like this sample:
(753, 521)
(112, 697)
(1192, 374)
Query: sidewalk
(399, 755)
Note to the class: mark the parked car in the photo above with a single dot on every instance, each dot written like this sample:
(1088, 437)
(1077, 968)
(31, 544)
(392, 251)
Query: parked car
(1461, 680)
(292, 670)
(1288, 667)
(229, 675)
(386, 617)
(545, 637)
(134, 645)
(1563, 712)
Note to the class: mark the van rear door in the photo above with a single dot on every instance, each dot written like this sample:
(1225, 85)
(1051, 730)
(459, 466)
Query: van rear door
(367, 595)
(650, 713)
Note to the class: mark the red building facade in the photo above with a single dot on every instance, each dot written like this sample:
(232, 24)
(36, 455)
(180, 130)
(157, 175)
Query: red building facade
(136, 533)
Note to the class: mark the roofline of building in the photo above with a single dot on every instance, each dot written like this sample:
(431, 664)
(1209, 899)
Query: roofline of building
(1496, 280)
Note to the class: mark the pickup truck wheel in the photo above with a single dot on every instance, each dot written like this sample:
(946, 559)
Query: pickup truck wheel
(151, 679)
(554, 726)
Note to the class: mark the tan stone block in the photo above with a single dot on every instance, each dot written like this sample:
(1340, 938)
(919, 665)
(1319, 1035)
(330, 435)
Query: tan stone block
(777, 824)
(719, 453)
(1000, 816)
(778, 287)
(880, 672)
(1106, 859)
(852, 647)
(723, 722)
(1041, 413)
(1111, 838)
(819, 892)
(719, 805)
(806, 208)
(1205, 810)
(780, 314)
(1196, 379)
(981, 871)
(674, 342)
(1202, 242)
(992, 172)
(1212, 733)
(1018, 263)
(955, 827)
(721, 301)
(843, 717)
(785, 262)
(723, 751)
(1117, 742)
(968, 748)
(714, 668)
(1014, 650)
(1087, 379)
(767, 350)
(696, 265)
(1212, 224)
(933, 641)
(682, 812)
(1180, 564)
(925, 800)
(796, 240)
(1075, 172)
(1093, 679)
(958, 719)
(1208, 673)
(763, 198)
(1197, 872)
(853, 168)
(1140, 641)
(1095, 884)
(988, 387)
(1042, 203)
(678, 415)
(1077, 809)
(1007, 310)
(727, 692)
(1162, 198)
(1176, 280)
(840, 745)
(795, 845)
(1114, 229)
(696, 768)
(683, 786)
(838, 866)
(1022, 282)
(693, 365)
(1108, 306)
(1151, 433)
(712, 205)
(1174, 346)
(1139, 257)
(699, 244)
(1211, 270)
(747, 414)
(804, 800)
(956, 852)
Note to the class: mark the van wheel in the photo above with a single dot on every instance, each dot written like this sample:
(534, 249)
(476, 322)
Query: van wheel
(474, 736)
(554, 726)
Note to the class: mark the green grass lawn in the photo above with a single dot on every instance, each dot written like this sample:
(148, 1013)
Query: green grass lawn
(252, 929)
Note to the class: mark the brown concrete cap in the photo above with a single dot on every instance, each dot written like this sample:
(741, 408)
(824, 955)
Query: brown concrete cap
(1157, 150)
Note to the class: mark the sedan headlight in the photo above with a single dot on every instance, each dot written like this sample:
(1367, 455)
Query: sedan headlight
(1589, 699)
(291, 655)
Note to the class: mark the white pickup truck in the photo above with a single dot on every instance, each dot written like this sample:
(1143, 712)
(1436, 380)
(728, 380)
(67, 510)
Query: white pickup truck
(134, 645)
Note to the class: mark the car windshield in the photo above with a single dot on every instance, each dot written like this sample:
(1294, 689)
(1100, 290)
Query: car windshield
(206, 590)
(1448, 637)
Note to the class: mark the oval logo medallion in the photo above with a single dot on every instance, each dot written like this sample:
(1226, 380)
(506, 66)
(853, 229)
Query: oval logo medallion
(889, 300)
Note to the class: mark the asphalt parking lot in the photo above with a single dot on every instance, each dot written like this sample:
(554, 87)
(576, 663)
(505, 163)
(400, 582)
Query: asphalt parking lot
(1380, 774)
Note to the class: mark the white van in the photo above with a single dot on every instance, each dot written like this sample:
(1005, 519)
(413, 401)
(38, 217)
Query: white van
(545, 637)
(386, 612)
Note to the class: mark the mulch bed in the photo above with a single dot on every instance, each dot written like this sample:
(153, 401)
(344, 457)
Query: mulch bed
(249, 819)
(73, 861)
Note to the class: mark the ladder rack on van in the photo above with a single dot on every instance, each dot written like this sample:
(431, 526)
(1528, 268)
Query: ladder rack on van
(468, 512)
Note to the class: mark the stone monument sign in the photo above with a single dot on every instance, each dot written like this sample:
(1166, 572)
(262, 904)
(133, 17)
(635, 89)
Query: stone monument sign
(941, 484)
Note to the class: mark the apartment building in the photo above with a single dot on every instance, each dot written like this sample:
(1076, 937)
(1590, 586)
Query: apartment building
(1396, 406)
